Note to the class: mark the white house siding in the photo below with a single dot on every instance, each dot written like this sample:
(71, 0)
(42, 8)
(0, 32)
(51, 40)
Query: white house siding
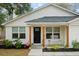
(48, 11)
(8, 32)
(73, 31)
(2, 33)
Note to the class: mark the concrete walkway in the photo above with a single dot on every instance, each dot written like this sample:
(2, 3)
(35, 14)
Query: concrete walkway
(35, 52)
(60, 54)
(38, 52)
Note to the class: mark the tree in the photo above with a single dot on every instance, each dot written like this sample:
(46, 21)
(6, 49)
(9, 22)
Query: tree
(2, 19)
(17, 8)
(21, 8)
(9, 8)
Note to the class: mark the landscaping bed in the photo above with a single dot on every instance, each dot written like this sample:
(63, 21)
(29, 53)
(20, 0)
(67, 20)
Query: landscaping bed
(16, 44)
(60, 49)
(13, 47)
(14, 52)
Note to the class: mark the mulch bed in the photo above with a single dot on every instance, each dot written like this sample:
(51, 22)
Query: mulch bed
(60, 50)
(14, 52)
(13, 47)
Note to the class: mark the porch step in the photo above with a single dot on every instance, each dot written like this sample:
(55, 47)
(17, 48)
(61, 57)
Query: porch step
(36, 46)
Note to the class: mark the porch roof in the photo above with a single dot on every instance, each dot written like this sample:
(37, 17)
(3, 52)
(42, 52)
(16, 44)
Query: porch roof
(53, 19)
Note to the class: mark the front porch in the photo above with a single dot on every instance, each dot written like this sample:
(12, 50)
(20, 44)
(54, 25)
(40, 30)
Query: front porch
(49, 35)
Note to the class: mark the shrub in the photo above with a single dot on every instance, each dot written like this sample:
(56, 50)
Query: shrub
(18, 44)
(7, 43)
(75, 44)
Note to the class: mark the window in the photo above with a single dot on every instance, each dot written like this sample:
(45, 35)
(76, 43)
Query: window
(15, 32)
(15, 35)
(56, 33)
(15, 29)
(49, 29)
(18, 32)
(22, 35)
(22, 29)
(53, 33)
(37, 29)
(49, 32)
(49, 35)
(22, 32)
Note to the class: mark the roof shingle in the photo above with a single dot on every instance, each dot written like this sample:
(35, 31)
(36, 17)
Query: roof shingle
(54, 19)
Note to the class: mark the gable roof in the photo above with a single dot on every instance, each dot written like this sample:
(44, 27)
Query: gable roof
(44, 6)
(53, 19)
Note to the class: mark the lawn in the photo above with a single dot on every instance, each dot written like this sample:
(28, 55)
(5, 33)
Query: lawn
(55, 46)
(14, 52)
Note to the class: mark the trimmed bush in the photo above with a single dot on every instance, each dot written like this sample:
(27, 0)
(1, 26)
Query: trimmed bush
(14, 44)
(18, 44)
(7, 43)
(75, 44)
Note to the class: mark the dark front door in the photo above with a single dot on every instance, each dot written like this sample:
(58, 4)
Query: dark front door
(37, 35)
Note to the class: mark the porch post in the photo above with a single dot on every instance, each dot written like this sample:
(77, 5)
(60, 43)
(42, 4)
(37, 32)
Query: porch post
(67, 35)
(43, 35)
(30, 34)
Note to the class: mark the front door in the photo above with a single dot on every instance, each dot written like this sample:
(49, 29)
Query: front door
(37, 35)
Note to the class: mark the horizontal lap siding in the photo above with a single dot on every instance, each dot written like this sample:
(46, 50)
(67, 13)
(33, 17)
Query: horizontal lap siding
(9, 33)
(73, 31)
(2, 33)
(73, 34)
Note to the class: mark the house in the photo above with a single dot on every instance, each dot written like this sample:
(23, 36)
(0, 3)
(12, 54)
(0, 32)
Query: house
(49, 24)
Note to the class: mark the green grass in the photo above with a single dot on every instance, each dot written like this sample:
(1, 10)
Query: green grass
(55, 46)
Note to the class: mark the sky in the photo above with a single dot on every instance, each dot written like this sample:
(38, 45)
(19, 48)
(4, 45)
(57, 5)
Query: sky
(36, 5)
